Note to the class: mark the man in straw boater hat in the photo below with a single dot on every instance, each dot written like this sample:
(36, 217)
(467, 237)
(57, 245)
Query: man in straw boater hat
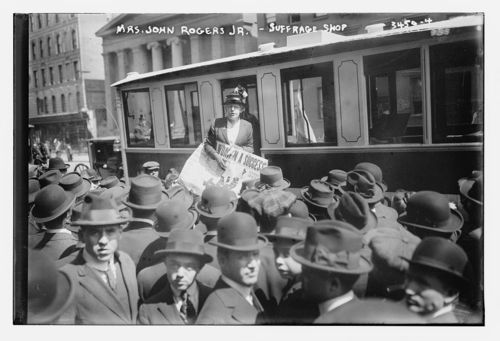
(107, 287)
(182, 296)
(435, 278)
(52, 207)
(331, 264)
(144, 197)
(233, 300)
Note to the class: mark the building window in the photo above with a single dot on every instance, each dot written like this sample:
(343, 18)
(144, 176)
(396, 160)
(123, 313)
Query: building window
(270, 18)
(44, 80)
(294, 18)
(78, 101)
(33, 50)
(68, 72)
(35, 78)
(39, 20)
(49, 46)
(70, 101)
(320, 15)
(54, 104)
(457, 92)
(51, 75)
(394, 88)
(139, 122)
(45, 105)
(47, 19)
(60, 69)
(63, 103)
(31, 23)
(65, 41)
(58, 44)
(56, 17)
(39, 106)
(308, 105)
(74, 41)
(75, 70)
(40, 43)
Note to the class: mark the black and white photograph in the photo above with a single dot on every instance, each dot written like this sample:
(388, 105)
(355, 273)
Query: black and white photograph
(257, 169)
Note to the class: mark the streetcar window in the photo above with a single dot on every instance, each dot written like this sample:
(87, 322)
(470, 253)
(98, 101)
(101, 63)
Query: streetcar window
(308, 105)
(183, 111)
(139, 123)
(394, 87)
(457, 92)
(251, 113)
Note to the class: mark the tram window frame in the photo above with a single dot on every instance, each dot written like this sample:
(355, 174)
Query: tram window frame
(143, 144)
(452, 60)
(197, 130)
(394, 127)
(326, 108)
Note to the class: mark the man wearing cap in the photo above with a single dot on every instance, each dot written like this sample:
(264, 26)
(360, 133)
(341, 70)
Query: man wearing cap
(331, 264)
(107, 287)
(182, 296)
(151, 168)
(435, 279)
(51, 210)
(233, 300)
(144, 197)
(56, 163)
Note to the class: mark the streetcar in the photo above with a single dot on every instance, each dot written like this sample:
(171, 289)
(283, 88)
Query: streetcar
(408, 99)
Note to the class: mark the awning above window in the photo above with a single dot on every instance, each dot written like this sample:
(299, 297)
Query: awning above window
(58, 118)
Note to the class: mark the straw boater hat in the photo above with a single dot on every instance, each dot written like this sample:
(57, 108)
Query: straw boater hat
(332, 246)
(51, 202)
(186, 242)
(174, 215)
(215, 202)
(74, 183)
(145, 193)
(98, 210)
(271, 177)
(318, 193)
(238, 231)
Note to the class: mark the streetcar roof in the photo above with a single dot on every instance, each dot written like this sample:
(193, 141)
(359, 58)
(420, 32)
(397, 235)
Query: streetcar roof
(462, 21)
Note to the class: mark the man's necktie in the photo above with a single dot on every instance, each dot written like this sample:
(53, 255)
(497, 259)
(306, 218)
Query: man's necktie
(188, 312)
(111, 279)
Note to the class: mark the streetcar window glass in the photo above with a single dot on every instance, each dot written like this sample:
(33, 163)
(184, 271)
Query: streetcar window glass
(183, 111)
(251, 113)
(139, 123)
(457, 92)
(308, 105)
(394, 87)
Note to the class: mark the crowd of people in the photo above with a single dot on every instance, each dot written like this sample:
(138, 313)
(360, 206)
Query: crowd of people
(342, 250)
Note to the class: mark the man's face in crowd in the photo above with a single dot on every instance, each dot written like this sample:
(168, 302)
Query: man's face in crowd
(101, 242)
(286, 265)
(241, 266)
(182, 270)
(154, 172)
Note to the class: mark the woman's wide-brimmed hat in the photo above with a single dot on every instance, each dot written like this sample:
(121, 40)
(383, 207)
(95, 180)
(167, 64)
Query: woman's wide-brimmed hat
(318, 193)
(271, 177)
(332, 246)
(74, 183)
(50, 202)
(182, 241)
(237, 96)
(238, 231)
(174, 215)
(215, 202)
(145, 193)
(99, 210)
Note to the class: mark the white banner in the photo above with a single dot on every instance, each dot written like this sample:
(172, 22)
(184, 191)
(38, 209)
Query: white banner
(201, 170)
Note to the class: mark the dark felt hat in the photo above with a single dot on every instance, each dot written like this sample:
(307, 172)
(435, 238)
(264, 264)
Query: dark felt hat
(332, 246)
(271, 177)
(354, 209)
(335, 177)
(74, 183)
(50, 291)
(145, 193)
(181, 194)
(428, 210)
(185, 241)
(374, 170)
(33, 188)
(472, 187)
(51, 177)
(299, 210)
(110, 181)
(238, 231)
(50, 202)
(99, 210)
(57, 163)
(173, 215)
(318, 193)
(289, 228)
(364, 183)
(215, 202)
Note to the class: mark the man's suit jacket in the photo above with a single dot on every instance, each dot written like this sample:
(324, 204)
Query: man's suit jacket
(218, 132)
(95, 302)
(54, 245)
(227, 306)
(160, 309)
(135, 239)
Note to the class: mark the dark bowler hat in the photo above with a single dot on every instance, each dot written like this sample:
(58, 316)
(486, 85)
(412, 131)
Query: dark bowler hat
(74, 183)
(271, 177)
(181, 194)
(289, 228)
(239, 232)
(472, 187)
(332, 246)
(51, 177)
(215, 202)
(318, 193)
(145, 193)
(440, 254)
(299, 209)
(51, 202)
(431, 211)
(150, 166)
(374, 170)
(186, 242)
(173, 215)
(336, 177)
(98, 210)
(110, 182)
(364, 183)
(237, 96)
(33, 188)
(57, 163)
(50, 291)
(354, 209)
